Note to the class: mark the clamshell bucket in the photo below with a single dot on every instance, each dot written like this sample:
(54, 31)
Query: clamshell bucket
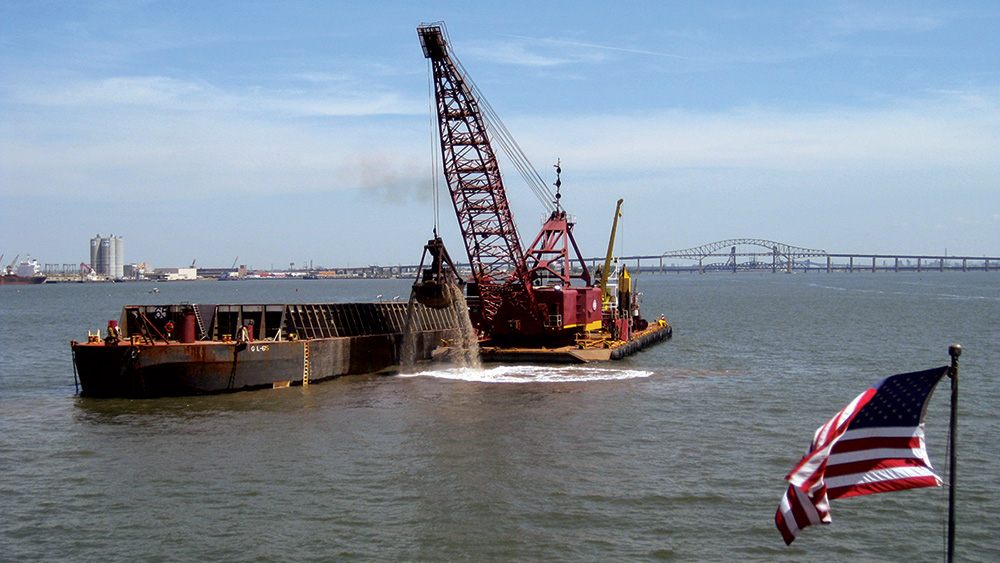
(437, 284)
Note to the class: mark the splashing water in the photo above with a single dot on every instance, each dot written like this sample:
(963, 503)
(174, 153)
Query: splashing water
(533, 374)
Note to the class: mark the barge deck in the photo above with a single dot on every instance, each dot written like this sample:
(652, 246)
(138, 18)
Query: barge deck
(173, 350)
(582, 352)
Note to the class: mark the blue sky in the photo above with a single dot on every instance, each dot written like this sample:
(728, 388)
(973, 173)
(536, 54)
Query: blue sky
(299, 131)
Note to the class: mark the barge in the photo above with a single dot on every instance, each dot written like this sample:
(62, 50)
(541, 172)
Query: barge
(583, 351)
(190, 349)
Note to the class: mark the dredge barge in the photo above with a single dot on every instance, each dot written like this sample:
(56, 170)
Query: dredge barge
(537, 303)
(518, 304)
(172, 350)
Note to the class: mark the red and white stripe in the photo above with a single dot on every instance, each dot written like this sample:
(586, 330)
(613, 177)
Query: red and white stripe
(806, 502)
(844, 463)
(878, 460)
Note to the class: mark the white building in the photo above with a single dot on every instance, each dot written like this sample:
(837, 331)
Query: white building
(176, 274)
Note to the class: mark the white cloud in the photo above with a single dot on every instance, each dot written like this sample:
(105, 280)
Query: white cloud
(154, 137)
(517, 53)
(142, 156)
(591, 51)
(58, 92)
(949, 131)
(164, 95)
(854, 19)
(551, 52)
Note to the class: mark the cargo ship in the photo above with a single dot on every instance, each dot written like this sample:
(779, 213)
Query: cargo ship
(191, 349)
(27, 273)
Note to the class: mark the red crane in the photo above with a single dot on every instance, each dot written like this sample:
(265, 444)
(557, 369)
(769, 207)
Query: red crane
(514, 296)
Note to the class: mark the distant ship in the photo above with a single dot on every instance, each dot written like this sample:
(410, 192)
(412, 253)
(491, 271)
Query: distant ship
(28, 272)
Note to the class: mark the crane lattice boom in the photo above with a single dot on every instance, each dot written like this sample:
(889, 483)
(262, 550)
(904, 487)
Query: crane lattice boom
(514, 294)
(471, 169)
(475, 183)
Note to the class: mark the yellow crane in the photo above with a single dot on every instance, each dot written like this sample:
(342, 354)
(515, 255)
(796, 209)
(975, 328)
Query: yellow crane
(606, 271)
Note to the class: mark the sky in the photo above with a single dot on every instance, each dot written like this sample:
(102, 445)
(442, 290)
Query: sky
(272, 133)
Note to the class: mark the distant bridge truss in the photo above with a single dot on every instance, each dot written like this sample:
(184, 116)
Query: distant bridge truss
(754, 254)
(747, 254)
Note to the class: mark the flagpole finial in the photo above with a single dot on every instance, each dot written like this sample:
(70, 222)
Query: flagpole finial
(955, 350)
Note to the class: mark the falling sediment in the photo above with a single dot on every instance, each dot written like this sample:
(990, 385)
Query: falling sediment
(463, 351)
(408, 351)
(466, 346)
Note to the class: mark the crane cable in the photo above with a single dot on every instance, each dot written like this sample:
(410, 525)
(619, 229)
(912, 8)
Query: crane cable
(507, 143)
(435, 139)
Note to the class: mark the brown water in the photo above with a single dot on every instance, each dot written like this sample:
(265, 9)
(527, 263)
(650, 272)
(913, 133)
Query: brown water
(677, 453)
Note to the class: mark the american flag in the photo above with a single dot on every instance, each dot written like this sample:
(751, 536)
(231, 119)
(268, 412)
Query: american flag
(874, 445)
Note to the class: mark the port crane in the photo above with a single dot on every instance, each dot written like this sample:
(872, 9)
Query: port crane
(514, 295)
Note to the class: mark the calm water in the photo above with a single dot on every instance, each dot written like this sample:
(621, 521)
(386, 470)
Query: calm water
(675, 454)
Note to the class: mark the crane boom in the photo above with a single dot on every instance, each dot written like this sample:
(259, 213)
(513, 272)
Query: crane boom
(606, 271)
(514, 294)
(476, 185)
(471, 169)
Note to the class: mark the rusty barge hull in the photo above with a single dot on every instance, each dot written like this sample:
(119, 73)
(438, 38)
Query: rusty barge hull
(177, 350)
(160, 369)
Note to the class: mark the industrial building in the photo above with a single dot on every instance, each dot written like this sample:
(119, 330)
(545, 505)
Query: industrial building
(107, 256)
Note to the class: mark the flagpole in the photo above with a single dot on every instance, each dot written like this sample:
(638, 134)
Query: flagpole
(955, 351)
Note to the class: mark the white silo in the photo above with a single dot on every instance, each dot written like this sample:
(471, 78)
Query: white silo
(94, 246)
(105, 257)
(119, 246)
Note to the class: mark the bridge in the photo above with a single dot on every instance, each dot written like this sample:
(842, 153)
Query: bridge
(750, 254)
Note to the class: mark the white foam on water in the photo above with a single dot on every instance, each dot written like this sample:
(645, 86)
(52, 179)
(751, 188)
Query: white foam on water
(532, 374)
